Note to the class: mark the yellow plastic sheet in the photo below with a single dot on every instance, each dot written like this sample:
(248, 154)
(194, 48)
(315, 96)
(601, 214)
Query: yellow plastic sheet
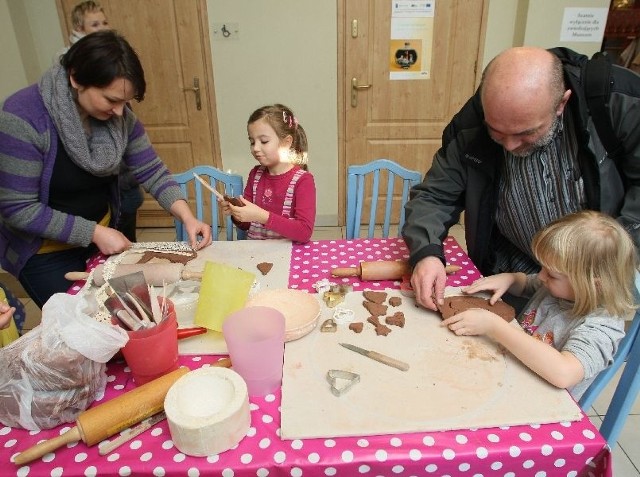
(224, 289)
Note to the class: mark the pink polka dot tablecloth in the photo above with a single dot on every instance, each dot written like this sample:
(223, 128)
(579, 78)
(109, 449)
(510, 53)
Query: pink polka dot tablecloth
(569, 449)
(314, 261)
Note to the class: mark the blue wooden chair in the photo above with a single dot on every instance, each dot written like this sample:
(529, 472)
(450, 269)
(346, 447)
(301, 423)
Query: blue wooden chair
(367, 177)
(207, 208)
(628, 387)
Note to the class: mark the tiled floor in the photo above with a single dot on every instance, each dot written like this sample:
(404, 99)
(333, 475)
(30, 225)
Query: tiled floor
(626, 454)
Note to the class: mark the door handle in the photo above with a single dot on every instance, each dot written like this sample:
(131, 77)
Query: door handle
(355, 87)
(196, 89)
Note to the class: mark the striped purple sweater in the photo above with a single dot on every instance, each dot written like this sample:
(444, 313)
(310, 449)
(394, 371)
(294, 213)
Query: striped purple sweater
(28, 148)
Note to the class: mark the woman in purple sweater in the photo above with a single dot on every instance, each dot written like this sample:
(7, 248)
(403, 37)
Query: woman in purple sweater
(62, 142)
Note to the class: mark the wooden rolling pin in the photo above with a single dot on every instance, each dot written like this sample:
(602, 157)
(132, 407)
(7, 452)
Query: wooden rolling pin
(155, 274)
(103, 421)
(381, 270)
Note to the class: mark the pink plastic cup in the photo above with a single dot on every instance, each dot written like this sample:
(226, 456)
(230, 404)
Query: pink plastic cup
(255, 340)
(153, 352)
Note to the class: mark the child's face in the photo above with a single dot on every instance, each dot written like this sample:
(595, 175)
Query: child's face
(94, 21)
(266, 147)
(557, 284)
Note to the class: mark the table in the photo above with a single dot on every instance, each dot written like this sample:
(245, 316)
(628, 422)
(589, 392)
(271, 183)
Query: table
(568, 449)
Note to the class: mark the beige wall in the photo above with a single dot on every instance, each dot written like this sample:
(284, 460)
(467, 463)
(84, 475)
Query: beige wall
(285, 52)
(13, 74)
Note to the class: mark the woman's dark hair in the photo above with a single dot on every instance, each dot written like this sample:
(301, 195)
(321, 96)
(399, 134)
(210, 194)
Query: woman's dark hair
(99, 58)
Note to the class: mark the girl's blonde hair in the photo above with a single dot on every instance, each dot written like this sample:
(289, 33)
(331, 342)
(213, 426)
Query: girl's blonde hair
(80, 10)
(284, 123)
(598, 257)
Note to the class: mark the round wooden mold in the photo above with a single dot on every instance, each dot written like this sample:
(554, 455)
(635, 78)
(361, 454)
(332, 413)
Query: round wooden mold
(300, 309)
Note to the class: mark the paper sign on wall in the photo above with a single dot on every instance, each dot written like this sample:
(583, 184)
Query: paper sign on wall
(583, 24)
(411, 40)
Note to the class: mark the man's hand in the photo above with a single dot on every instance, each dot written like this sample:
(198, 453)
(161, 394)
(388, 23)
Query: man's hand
(428, 282)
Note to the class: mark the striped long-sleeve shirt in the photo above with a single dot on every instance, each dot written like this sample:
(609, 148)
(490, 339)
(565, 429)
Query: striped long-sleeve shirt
(28, 149)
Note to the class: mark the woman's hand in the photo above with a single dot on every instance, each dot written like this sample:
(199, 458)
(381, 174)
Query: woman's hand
(110, 241)
(196, 228)
(249, 212)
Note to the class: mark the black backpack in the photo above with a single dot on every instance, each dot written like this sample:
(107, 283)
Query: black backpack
(597, 88)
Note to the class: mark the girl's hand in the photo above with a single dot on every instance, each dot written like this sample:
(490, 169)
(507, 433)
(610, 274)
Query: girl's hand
(497, 284)
(225, 206)
(249, 212)
(6, 313)
(472, 322)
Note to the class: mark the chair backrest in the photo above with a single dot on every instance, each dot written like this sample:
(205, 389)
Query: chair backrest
(628, 386)
(368, 177)
(207, 208)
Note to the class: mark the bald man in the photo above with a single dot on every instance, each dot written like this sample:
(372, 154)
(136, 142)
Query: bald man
(522, 152)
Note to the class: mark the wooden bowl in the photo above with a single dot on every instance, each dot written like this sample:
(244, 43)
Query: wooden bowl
(300, 309)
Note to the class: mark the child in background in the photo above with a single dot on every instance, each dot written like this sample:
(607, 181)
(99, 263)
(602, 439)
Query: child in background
(574, 319)
(280, 196)
(86, 17)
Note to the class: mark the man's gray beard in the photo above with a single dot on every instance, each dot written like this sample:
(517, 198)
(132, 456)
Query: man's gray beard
(544, 141)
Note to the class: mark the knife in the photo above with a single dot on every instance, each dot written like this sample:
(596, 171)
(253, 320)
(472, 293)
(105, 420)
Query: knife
(108, 447)
(394, 363)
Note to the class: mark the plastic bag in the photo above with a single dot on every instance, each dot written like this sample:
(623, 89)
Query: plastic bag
(54, 372)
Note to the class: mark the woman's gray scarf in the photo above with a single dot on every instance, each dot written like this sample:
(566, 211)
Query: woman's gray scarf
(99, 154)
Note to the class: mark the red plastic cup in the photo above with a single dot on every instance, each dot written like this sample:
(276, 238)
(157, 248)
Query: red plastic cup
(153, 352)
(255, 340)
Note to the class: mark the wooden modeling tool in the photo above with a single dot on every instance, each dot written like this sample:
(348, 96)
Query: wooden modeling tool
(381, 270)
(208, 186)
(108, 447)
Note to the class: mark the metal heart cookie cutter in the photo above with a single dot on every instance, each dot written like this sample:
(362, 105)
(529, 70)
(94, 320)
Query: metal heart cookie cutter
(341, 381)
(329, 326)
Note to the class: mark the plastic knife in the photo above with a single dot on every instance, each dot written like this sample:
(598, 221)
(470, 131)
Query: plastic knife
(394, 363)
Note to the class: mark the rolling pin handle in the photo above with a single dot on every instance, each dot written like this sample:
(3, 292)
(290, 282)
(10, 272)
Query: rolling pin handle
(346, 272)
(75, 276)
(191, 275)
(44, 447)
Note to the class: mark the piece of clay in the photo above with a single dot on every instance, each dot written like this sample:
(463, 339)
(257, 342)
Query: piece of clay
(356, 327)
(375, 296)
(234, 201)
(265, 267)
(397, 319)
(395, 301)
(456, 304)
(374, 308)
